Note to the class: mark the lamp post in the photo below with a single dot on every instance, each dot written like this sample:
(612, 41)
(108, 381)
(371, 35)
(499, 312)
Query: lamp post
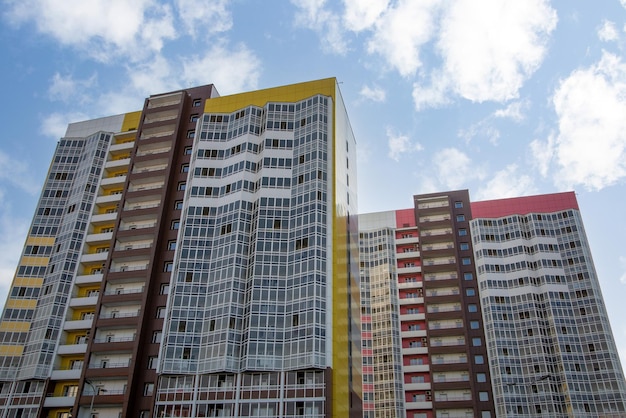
(95, 391)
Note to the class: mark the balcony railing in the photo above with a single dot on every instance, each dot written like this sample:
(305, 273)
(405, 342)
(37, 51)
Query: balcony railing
(114, 339)
(119, 315)
(128, 268)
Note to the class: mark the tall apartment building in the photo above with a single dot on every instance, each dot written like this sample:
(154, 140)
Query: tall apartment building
(551, 350)
(484, 309)
(195, 258)
(424, 348)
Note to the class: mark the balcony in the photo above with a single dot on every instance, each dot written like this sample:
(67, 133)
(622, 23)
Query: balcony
(103, 236)
(78, 302)
(95, 257)
(110, 198)
(65, 349)
(77, 324)
(104, 218)
(124, 146)
(58, 401)
(89, 278)
(123, 162)
(65, 374)
(112, 181)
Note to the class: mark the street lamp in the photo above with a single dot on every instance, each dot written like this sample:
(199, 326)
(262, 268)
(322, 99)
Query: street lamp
(95, 391)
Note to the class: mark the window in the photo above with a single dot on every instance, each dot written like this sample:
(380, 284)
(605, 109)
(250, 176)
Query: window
(460, 218)
(458, 204)
(178, 205)
(160, 312)
(462, 232)
(479, 359)
(466, 261)
(188, 150)
(156, 337)
(152, 362)
(194, 118)
(483, 396)
(165, 289)
(464, 246)
(182, 186)
(171, 245)
(485, 414)
(175, 224)
(477, 342)
(196, 102)
(470, 291)
(169, 266)
(148, 389)
(191, 134)
(184, 168)
(468, 276)
(481, 377)
(474, 324)
(472, 307)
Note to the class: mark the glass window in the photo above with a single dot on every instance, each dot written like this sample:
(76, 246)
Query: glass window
(175, 224)
(477, 342)
(472, 307)
(464, 246)
(197, 102)
(481, 377)
(466, 261)
(171, 245)
(184, 168)
(169, 266)
(470, 291)
(460, 218)
(468, 276)
(458, 204)
(462, 232)
(479, 359)
(182, 185)
(483, 396)
(474, 324)
(485, 414)
(178, 205)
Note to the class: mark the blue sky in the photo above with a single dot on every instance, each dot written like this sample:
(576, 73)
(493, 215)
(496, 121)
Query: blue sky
(503, 97)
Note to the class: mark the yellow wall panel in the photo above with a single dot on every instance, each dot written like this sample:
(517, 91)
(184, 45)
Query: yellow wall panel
(11, 350)
(131, 121)
(291, 93)
(21, 303)
(40, 241)
(9, 326)
(34, 261)
(28, 281)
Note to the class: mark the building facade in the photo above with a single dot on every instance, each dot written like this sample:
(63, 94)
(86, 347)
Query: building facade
(424, 348)
(196, 258)
(204, 257)
(551, 349)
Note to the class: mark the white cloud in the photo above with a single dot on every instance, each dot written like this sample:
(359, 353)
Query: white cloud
(232, 70)
(608, 32)
(508, 182)
(483, 129)
(432, 94)
(543, 153)
(312, 14)
(400, 33)
(55, 124)
(491, 47)
(590, 147)
(66, 88)
(209, 17)
(400, 144)
(360, 15)
(101, 28)
(15, 172)
(375, 94)
(454, 169)
(514, 111)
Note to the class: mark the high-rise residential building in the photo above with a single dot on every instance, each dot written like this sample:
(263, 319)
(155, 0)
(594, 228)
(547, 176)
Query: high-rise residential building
(484, 309)
(204, 257)
(551, 350)
(196, 258)
(424, 349)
